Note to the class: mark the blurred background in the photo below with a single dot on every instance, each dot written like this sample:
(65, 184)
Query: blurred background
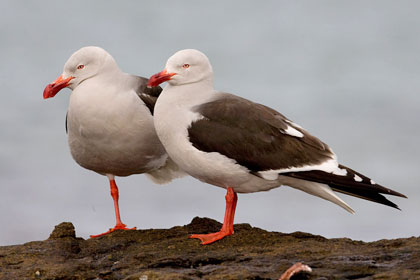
(347, 71)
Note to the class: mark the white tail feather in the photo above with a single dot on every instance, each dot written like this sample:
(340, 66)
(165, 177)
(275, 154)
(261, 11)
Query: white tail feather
(317, 189)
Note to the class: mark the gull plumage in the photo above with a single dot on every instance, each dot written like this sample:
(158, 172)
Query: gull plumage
(245, 147)
(110, 120)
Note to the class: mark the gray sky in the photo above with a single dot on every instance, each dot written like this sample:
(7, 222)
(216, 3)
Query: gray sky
(347, 71)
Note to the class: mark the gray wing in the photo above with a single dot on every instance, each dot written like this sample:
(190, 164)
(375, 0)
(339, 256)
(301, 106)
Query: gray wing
(148, 95)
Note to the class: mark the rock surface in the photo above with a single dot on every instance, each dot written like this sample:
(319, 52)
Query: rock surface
(251, 253)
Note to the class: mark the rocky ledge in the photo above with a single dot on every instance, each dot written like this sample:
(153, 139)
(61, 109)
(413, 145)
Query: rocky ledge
(251, 253)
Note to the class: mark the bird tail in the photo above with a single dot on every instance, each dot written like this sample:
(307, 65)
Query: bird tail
(316, 189)
(352, 183)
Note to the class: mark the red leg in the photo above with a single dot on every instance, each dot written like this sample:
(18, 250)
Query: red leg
(115, 197)
(227, 228)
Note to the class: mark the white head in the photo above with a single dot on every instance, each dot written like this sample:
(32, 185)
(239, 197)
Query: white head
(84, 64)
(185, 67)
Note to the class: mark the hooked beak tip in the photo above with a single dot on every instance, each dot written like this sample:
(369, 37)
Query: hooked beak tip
(52, 89)
(159, 78)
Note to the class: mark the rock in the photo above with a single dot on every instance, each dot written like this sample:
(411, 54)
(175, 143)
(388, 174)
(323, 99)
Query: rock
(251, 253)
(63, 230)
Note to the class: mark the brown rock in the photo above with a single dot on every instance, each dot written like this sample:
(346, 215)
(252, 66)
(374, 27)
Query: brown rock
(63, 230)
(251, 253)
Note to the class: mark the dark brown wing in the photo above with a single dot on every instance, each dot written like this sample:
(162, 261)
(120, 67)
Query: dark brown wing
(254, 135)
(257, 137)
(148, 95)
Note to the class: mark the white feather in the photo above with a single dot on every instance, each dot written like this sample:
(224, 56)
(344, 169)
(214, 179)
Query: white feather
(317, 189)
(293, 132)
(330, 166)
(357, 178)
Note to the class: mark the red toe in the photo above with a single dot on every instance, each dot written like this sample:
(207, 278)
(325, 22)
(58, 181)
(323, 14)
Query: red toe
(210, 237)
(117, 227)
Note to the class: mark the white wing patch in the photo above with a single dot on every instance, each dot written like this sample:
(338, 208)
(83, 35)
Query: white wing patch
(340, 172)
(193, 117)
(293, 132)
(357, 178)
(294, 124)
(330, 166)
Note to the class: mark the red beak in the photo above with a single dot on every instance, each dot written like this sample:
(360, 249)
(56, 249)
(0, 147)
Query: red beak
(52, 89)
(159, 78)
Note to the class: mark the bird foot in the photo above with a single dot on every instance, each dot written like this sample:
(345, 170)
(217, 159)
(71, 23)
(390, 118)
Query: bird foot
(117, 227)
(297, 267)
(210, 237)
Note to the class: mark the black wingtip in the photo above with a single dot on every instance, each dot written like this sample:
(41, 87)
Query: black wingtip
(390, 192)
(364, 194)
(395, 206)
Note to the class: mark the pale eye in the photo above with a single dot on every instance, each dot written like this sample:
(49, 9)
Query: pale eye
(81, 66)
(186, 66)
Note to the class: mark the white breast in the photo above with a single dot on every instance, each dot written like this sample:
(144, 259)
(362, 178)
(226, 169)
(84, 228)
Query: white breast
(111, 130)
(174, 112)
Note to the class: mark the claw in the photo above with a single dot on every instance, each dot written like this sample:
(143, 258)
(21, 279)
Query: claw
(117, 227)
(211, 237)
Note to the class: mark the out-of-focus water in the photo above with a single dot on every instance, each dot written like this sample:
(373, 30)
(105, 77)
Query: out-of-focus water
(347, 71)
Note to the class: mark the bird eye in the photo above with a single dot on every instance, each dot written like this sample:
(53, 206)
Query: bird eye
(81, 66)
(185, 66)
